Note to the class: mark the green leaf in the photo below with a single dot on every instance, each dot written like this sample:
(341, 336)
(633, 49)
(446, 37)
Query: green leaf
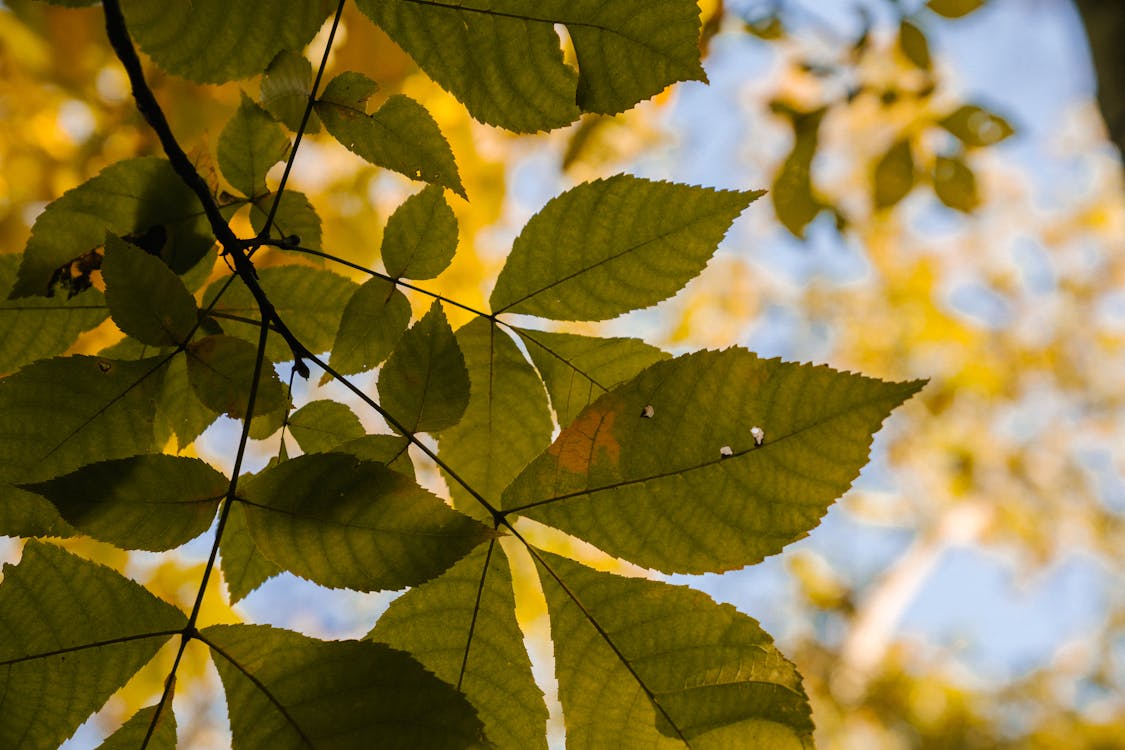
(506, 424)
(954, 8)
(65, 646)
(372, 324)
(645, 664)
(402, 135)
(147, 300)
(462, 626)
(295, 217)
(213, 41)
(424, 384)
(286, 690)
(34, 328)
(135, 196)
(244, 567)
(320, 426)
(688, 488)
(614, 245)
(392, 450)
(60, 414)
(912, 41)
(579, 369)
(221, 370)
(792, 192)
(975, 126)
(309, 300)
(420, 237)
(26, 514)
(347, 523)
(250, 144)
(285, 90)
(894, 174)
(132, 733)
(502, 59)
(955, 184)
(178, 410)
(151, 502)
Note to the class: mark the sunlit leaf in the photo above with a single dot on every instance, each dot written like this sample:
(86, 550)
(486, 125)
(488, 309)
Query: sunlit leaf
(347, 523)
(420, 237)
(244, 567)
(392, 450)
(955, 184)
(503, 59)
(286, 86)
(250, 144)
(146, 298)
(645, 664)
(212, 41)
(65, 644)
(894, 174)
(286, 690)
(650, 490)
(462, 626)
(424, 384)
(614, 245)
(321, 425)
(976, 126)
(579, 369)
(133, 732)
(507, 404)
(221, 370)
(150, 502)
(374, 320)
(295, 217)
(136, 196)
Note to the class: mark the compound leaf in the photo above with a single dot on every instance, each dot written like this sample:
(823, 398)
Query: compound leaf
(244, 567)
(462, 626)
(146, 299)
(343, 522)
(614, 245)
(374, 320)
(644, 487)
(420, 237)
(250, 144)
(71, 633)
(286, 690)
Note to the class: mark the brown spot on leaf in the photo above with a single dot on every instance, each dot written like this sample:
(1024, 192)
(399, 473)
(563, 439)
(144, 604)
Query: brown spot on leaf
(587, 441)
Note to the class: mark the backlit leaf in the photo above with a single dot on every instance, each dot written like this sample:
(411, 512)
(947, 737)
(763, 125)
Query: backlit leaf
(392, 450)
(147, 300)
(462, 626)
(914, 44)
(132, 733)
(955, 184)
(286, 86)
(286, 690)
(614, 245)
(250, 144)
(650, 490)
(424, 384)
(954, 8)
(372, 324)
(420, 237)
(244, 567)
(178, 410)
(507, 405)
(65, 645)
(503, 59)
(579, 369)
(665, 666)
(347, 523)
(793, 199)
(134, 196)
(976, 126)
(321, 425)
(894, 175)
(151, 502)
(221, 370)
(295, 217)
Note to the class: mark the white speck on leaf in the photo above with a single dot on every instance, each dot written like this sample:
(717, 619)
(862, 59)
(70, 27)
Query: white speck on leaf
(648, 412)
(759, 435)
(725, 452)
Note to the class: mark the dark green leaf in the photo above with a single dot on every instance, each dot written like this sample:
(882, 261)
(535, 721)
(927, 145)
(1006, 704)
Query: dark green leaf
(250, 144)
(151, 502)
(244, 567)
(421, 236)
(372, 324)
(954, 8)
(129, 197)
(401, 136)
(976, 126)
(347, 523)
(506, 424)
(320, 426)
(462, 626)
(146, 298)
(894, 175)
(579, 369)
(665, 662)
(65, 644)
(792, 192)
(649, 490)
(295, 217)
(178, 410)
(34, 328)
(503, 59)
(213, 41)
(285, 690)
(392, 450)
(26, 514)
(912, 41)
(221, 370)
(955, 184)
(132, 733)
(63, 413)
(286, 86)
(424, 384)
(614, 245)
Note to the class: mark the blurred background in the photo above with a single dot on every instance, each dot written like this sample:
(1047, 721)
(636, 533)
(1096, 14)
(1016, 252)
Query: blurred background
(946, 201)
